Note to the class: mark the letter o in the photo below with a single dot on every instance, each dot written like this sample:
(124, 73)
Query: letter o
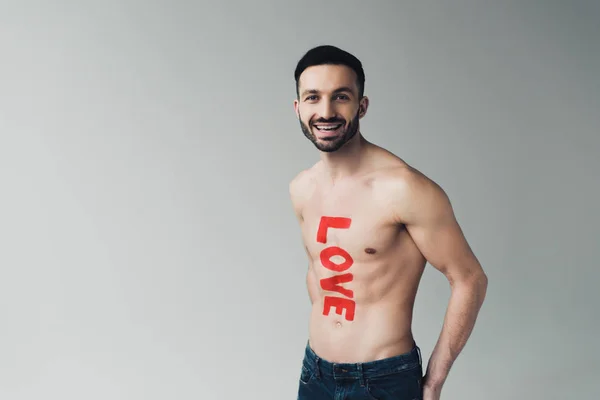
(329, 252)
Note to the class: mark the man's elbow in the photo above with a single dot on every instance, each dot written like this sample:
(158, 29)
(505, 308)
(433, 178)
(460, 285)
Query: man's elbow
(480, 283)
(474, 282)
(477, 284)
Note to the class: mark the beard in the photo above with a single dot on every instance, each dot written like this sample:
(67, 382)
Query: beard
(332, 144)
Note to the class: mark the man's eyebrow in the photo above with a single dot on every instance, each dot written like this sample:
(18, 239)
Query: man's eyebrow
(310, 91)
(338, 90)
(343, 89)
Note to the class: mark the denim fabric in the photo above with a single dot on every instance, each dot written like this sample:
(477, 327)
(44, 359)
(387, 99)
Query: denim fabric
(398, 378)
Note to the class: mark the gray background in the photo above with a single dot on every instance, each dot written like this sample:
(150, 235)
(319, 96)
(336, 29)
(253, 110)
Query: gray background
(148, 246)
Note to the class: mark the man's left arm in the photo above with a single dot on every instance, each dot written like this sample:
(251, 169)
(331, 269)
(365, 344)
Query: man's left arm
(429, 218)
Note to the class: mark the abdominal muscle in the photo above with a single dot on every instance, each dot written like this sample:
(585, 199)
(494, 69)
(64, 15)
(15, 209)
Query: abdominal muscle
(382, 322)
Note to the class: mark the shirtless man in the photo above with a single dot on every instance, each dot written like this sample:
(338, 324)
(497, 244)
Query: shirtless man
(370, 222)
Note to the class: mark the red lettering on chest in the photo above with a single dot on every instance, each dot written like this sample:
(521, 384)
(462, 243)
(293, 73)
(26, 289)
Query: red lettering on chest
(334, 283)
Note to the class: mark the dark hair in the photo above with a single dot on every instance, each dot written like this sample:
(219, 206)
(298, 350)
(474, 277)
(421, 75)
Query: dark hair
(328, 54)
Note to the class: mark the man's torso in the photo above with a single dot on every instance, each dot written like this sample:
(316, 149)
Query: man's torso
(364, 268)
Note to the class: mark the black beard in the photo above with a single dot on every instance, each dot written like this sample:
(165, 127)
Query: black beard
(333, 144)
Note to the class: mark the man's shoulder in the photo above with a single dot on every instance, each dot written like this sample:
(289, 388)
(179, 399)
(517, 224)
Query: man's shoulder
(302, 180)
(401, 177)
(408, 190)
(300, 188)
(392, 172)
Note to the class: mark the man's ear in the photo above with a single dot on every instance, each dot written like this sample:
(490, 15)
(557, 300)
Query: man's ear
(296, 108)
(363, 106)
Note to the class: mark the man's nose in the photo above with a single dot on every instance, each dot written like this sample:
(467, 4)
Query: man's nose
(327, 110)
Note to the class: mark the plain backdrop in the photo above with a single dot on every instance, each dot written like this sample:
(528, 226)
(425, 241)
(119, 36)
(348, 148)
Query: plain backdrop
(148, 249)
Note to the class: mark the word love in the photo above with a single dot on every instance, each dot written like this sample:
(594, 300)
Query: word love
(333, 283)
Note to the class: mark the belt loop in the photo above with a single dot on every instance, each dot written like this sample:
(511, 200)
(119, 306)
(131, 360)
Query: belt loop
(419, 353)
(361, 375)
(317, 367)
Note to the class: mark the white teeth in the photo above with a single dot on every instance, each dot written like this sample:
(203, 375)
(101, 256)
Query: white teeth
(328, 128)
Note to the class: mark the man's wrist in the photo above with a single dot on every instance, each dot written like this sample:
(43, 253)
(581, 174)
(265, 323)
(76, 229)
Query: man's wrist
(434, 382)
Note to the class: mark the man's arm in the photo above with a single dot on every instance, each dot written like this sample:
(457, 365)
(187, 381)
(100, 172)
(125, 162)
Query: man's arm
(296, 189)
(426, 211)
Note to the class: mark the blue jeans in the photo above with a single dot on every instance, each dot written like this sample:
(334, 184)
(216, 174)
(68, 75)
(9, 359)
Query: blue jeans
(398, 378)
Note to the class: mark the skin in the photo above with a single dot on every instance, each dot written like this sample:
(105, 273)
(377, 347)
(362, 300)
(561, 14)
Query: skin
(400, 220)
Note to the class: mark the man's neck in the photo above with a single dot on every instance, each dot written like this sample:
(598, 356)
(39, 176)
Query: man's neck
(347, 161)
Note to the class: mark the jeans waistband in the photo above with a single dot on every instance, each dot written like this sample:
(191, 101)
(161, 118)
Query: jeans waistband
(398, 363)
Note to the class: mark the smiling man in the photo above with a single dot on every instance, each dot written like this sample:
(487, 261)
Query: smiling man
(370, 223)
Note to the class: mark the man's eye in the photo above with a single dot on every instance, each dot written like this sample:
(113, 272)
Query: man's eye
(342, 97)
(311, 98)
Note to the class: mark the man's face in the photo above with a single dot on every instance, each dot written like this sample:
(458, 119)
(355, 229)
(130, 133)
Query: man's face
(328, 106)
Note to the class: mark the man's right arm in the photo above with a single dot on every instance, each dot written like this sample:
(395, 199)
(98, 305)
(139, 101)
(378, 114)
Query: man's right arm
(296, 191)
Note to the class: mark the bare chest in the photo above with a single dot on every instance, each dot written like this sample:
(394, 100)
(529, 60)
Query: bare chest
(346, 235)
(352, 224)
